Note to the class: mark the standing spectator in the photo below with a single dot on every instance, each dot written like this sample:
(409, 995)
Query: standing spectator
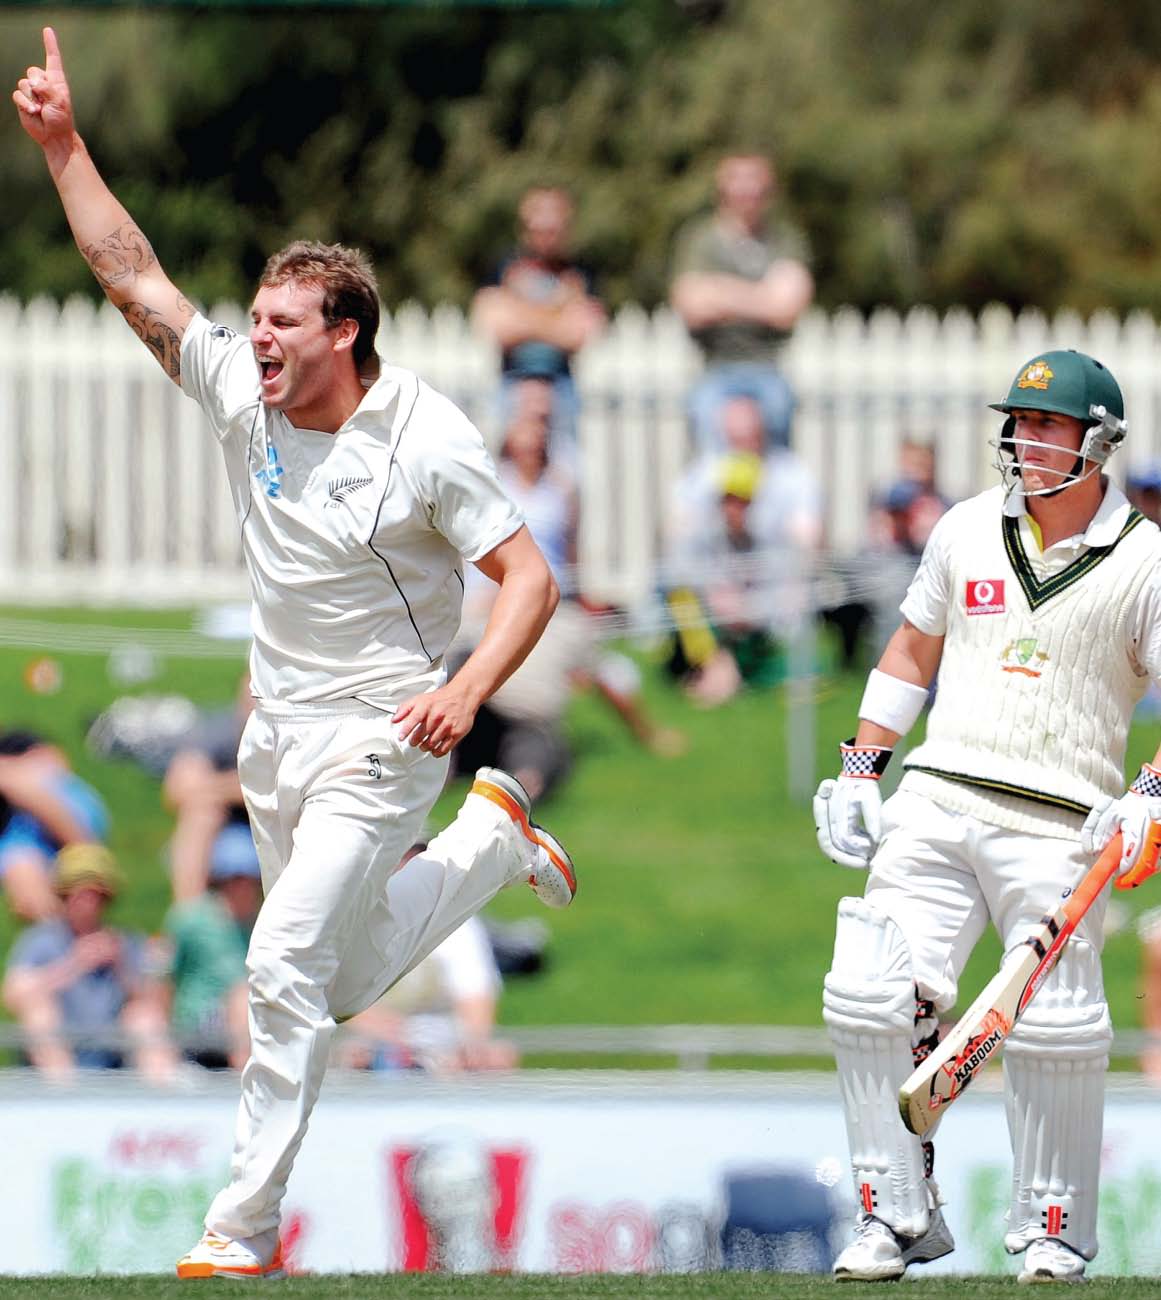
(78, 978)
(203, 789)
(740, 283)
(44, 805)
(540, 308)
(209, 936)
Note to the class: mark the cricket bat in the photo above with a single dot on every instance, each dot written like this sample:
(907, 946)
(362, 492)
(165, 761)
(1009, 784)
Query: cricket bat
(981, 1030)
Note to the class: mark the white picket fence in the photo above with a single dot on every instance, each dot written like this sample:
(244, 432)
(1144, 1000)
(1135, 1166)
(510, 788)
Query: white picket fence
(112, 492)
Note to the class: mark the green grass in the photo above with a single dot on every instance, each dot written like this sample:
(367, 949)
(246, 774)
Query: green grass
(697, 1286)
(703, 896)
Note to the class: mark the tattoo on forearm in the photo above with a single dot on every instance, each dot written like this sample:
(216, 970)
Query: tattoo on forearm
(161, 339)
(120, 256)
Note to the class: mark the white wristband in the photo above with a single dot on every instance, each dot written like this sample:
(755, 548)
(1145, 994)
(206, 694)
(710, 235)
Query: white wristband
(891, 702)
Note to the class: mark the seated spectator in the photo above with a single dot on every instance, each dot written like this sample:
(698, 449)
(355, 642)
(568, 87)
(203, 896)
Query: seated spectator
(521, 727)
(441, 1016)
(743, 530)
(44, 805)
(208, 938)
(740, 282)
(202, 788)
(787, 507)
(75, 981)
(540, 308)
(1143, 488)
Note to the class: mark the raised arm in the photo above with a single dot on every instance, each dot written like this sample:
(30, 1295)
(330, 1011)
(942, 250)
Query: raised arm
(117, 252)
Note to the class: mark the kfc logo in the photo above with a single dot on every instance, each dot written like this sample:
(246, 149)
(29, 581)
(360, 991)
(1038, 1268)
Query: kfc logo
(985, 596)
(459, 1206)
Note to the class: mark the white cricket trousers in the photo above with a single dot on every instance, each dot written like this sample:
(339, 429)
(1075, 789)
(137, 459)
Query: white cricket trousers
(335, 801)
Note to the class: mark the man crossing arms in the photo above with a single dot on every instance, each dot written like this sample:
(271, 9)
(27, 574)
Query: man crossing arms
(359, 492)
(1039, 602)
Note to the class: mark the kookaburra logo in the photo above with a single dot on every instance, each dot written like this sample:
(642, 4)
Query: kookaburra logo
(375, 766)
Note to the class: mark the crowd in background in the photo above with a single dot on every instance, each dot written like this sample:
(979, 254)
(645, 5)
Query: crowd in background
(744, 524)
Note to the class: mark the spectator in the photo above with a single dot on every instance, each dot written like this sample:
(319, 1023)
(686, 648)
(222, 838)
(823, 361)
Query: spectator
(740, 283)
(787, 506)
(44, 805)
(441, 1016)
(74, 981)
(208, 938)
(540, 308)
(202, 788)
(543, 489)
(743, 529)
(1143, 488)
(521, 728)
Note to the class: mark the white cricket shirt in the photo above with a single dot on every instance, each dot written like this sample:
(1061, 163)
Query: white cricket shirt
(1044, 658)
(354, 541)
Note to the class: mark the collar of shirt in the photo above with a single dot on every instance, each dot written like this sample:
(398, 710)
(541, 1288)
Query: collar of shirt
(1103, 528)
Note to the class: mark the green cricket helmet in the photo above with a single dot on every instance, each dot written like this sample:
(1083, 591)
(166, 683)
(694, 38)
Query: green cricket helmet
(1066, 383)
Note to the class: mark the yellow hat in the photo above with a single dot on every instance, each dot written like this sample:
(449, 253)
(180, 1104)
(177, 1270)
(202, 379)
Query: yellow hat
(739, 474)
(89, 865)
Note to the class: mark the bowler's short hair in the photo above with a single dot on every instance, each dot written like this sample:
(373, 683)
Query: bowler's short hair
(347, 281)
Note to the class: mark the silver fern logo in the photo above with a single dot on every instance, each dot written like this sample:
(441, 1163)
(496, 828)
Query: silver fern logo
(341, 488)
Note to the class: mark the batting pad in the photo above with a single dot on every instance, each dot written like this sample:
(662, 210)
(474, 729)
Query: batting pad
(1054, 1074)
(869, 1008)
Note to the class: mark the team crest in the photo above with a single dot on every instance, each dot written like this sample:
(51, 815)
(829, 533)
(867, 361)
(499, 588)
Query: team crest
(985, 596)
(1037, 374)
(1023, 656)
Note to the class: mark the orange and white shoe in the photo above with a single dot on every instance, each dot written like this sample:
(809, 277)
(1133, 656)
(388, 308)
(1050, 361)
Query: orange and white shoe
(242, 1258)
(553, 878)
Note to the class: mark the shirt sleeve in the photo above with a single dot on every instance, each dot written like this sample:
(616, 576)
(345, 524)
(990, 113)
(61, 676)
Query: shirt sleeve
(926, 603)
(218, 371)
(459, 481)
(1146, 647)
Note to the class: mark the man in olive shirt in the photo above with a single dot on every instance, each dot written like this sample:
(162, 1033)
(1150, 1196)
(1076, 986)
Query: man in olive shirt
(740, 282)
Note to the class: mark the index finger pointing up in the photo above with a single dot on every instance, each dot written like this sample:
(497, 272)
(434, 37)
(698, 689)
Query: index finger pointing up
(52, 59)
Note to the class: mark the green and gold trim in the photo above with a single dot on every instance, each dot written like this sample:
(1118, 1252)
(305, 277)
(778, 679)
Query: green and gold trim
(1037, 592)
(1004, 787)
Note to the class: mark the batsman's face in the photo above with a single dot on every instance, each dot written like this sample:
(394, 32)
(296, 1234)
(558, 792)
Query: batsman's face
(293, 347)
(1046, 446)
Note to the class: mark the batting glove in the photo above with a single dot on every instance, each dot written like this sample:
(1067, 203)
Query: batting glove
(846, 811)
(1131, 814)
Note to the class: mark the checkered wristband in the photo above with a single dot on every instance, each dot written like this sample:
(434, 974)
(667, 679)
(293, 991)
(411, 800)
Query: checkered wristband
(869, 761)
(1147, 782)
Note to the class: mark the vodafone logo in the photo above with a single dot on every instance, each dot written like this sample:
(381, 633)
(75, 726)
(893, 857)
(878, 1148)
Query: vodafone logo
(985, 596)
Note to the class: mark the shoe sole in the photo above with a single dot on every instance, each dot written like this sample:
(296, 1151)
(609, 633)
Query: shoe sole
(556, 890)
(192, 1272)
(197, 1269)
(887, 1275)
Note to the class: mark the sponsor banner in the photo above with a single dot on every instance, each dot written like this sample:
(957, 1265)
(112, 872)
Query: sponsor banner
(532, 1174)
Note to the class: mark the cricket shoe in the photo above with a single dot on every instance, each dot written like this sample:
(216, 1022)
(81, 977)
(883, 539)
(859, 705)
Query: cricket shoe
(879, 1254)
(1050, 1260)
(244, 1258)
(553, 877)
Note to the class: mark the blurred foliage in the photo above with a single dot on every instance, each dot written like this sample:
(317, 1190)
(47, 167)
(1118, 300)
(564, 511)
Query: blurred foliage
(940, 153)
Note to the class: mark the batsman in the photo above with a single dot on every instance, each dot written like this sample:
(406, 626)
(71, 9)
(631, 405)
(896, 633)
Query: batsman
(1038, 602)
